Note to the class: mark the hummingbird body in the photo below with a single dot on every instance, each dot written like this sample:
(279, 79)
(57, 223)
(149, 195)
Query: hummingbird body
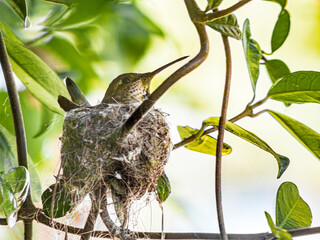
(91, 161)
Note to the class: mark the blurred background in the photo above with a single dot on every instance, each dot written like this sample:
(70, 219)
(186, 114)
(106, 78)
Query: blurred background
(101, 39)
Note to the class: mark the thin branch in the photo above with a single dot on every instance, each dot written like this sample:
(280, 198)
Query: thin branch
(248, 112)
(222, 123)
(173, 78)
(202, 17)
(18, 128)
(91, 220)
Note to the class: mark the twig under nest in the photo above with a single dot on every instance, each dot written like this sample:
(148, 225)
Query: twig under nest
(94, 158)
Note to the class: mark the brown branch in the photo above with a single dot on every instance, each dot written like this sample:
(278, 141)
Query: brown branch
(18, 127)
(222, 123)
(91, 219)
(248, 112)
(173, 78)
(202, 17)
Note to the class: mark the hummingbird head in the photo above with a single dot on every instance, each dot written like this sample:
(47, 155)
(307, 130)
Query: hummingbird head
(132, 87)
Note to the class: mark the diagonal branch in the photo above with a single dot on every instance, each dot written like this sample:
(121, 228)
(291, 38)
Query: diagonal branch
(173, 78)
(18, 128)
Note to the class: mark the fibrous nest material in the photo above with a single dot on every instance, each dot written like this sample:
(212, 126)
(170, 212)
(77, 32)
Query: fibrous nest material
(93, 158)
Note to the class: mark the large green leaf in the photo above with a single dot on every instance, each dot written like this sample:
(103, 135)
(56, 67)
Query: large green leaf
(277, 69)
(227, 25)
(20, 7)
(204, 144)
(278, 232)
(297, 87)
(281, 30)
(47, 117)
(36, 188)
(252, 53)
(62, 201)
(163, 188)
(283, 162)
(212, 4)
(42, 82)
(309, 138)
(291, 211)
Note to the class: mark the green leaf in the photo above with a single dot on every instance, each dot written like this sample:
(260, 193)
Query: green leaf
(8, 203)
(212, 4)
(62, 201)
(42, 82)
(283, 162)
(36, 188)
(280, 31)
(227, 25)
(309, 138)
(6, 155)
(205, 144)
(282, 3)
(279, 233)
(291, 211)
(297, 87)
(64, 2)
(163, 188)
(20, 7)
(19, 182)
(252, 53)
(277, 69)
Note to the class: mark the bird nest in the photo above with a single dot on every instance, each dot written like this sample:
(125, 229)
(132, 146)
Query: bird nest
(94, 158)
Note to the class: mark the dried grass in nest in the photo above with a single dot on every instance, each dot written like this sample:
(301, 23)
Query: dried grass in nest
(131, 167)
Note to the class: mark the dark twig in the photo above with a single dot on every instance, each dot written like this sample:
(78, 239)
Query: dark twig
(248, 112)
(202, 17)
(91, 219)
(18, 127)
(173, 78)
(221, 127)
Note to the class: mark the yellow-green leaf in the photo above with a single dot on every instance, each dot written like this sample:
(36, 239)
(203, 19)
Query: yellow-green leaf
(204, 144)
(309, 138)
(279, 233)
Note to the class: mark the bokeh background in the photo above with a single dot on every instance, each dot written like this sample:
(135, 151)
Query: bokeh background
(119, 38)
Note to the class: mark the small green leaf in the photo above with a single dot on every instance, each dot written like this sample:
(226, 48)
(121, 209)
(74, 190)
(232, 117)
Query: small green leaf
(212, 4)
(252, 52)
(35, 179)
(42, 82)
(283, 162)
(297, 87)
(20, 7)
(280, 31)
(276, 231)
(282, 3)
(8, 203)
(163, 188)
(62, 201)
(309, 138)
(227, 25)
(19, 182)
(291, 211)
(277, 69)
(205, 144)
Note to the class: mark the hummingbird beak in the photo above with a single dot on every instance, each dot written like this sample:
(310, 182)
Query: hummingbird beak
(150, 75)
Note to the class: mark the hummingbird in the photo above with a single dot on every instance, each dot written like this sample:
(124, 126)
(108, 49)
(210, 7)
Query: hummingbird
(127, 88)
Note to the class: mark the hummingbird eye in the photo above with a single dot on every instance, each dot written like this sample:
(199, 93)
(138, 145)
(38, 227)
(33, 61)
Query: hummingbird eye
(126, 80)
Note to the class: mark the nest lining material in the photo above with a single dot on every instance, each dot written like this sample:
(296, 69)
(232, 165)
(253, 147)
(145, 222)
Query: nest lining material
(91, 161)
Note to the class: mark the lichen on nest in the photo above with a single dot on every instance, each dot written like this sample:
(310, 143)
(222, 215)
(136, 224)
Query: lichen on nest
(130, 167)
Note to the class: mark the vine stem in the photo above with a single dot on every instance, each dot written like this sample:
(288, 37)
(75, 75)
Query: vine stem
(221, 127)
(18, 128)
